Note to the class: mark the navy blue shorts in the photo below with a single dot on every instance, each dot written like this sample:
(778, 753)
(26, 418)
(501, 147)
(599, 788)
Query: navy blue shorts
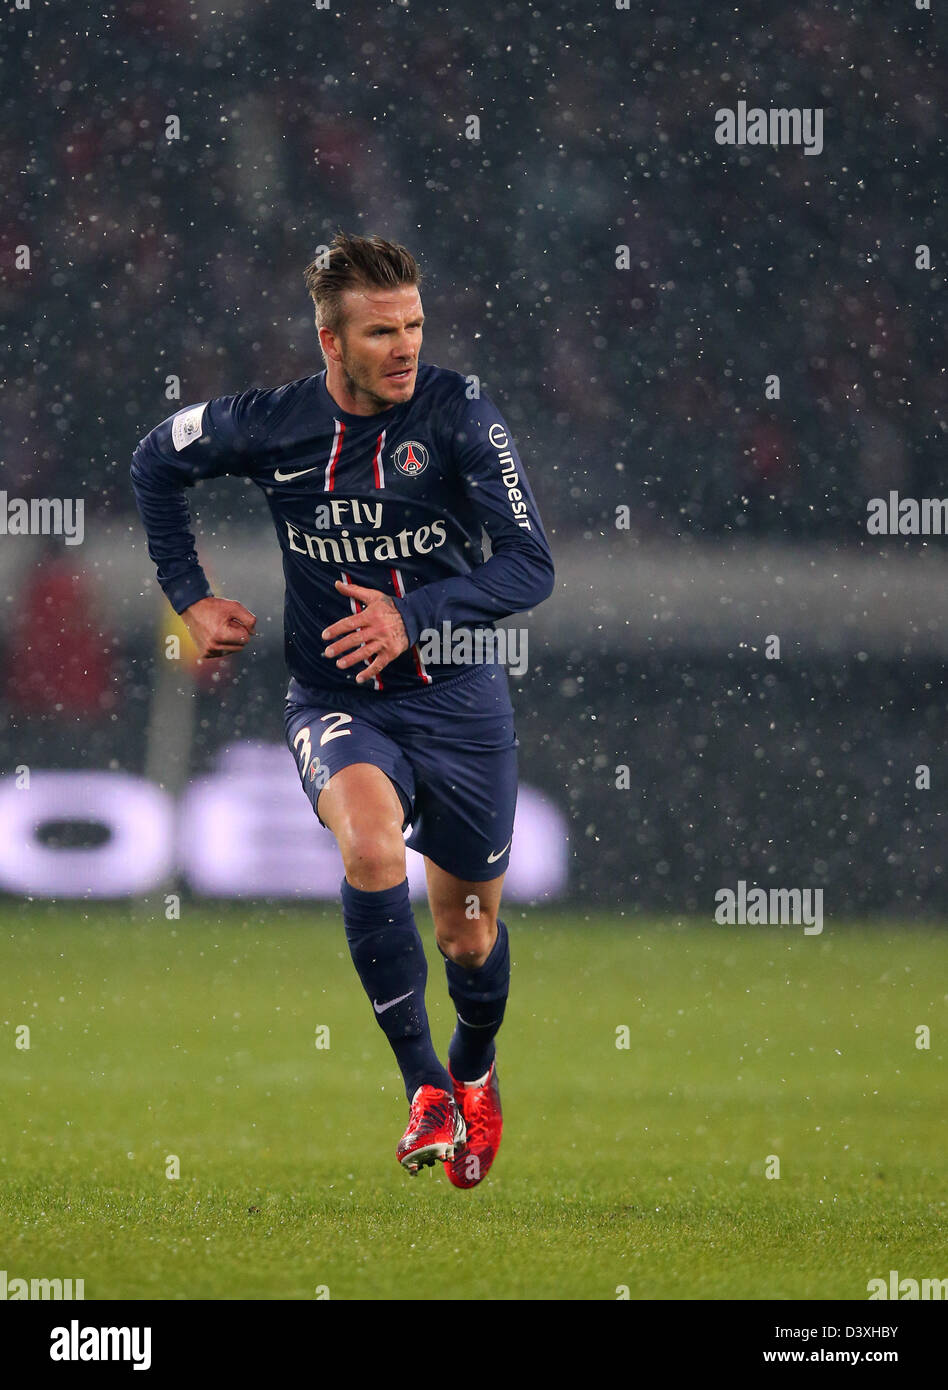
(450, 750)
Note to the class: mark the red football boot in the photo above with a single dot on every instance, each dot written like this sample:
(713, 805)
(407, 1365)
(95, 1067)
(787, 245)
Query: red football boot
(484, 1120)
(435, 1129)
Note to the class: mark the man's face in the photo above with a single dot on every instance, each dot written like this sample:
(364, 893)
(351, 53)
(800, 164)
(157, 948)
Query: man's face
(379, 345)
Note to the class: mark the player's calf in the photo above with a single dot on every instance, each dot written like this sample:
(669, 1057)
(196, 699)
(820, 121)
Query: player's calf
(480, 998)
(390, 959)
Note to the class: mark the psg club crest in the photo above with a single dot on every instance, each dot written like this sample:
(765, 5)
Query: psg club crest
(411, 458)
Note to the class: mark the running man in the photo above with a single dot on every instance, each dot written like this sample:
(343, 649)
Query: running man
(380, 473)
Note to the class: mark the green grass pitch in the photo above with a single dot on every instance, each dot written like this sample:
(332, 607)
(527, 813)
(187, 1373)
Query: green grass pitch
(639, 1168)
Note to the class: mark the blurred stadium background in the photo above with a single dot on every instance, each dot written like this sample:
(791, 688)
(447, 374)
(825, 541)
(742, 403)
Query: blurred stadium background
(156, 259)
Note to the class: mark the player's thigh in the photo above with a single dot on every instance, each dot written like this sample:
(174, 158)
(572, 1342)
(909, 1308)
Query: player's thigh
(362, 808)
(360, 785)
(361, 800)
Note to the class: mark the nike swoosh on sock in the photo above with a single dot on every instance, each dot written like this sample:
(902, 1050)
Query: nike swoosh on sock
(380, 1008)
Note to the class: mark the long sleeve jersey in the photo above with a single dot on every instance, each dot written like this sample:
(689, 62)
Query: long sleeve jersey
(393, 501)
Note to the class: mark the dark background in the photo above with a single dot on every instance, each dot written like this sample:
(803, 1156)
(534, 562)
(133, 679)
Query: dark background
(644, 387)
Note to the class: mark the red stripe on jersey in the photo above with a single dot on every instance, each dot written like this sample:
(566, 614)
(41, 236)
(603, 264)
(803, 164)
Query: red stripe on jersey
(333, 458)
(400, 593)
(377, 461)
(396, 577)
(355, 608)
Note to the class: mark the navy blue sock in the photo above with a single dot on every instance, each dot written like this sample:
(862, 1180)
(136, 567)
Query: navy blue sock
(480, 997)
(387, 952)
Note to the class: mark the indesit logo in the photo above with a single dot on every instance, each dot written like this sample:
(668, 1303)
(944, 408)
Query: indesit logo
(518, 503)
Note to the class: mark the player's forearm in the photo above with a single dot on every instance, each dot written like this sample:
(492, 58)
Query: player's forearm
(164, 512)
(509, 582)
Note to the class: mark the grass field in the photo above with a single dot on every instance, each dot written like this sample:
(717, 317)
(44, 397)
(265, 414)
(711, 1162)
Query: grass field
(641, 1167)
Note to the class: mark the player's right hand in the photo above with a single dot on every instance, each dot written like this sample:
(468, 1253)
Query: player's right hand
(219, 626)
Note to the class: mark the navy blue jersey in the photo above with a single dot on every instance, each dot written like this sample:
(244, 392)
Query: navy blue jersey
(394, 501)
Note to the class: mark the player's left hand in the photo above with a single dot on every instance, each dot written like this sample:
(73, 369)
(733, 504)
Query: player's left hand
(376, 634)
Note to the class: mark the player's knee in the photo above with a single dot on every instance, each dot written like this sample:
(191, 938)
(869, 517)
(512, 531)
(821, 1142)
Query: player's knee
(465, 940)
(373, 860)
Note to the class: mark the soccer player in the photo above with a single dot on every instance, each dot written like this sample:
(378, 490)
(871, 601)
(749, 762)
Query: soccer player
(380, 473)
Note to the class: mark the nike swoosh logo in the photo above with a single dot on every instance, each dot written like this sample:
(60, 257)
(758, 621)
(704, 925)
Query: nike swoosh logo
(380, 1008)
(285, 477)
(492, 858)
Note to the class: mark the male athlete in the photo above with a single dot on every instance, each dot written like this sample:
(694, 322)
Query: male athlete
(380, 473)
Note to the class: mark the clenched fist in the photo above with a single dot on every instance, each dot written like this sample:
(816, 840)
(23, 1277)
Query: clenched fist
(219, 626)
